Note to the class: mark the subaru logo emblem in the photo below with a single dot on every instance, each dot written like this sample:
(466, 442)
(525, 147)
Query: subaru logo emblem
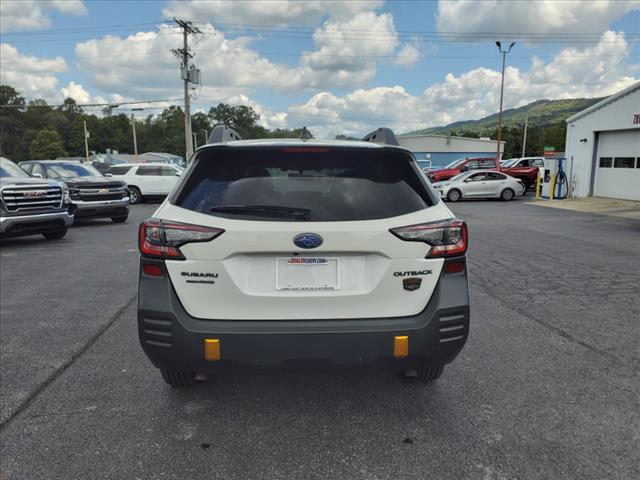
(307, 240)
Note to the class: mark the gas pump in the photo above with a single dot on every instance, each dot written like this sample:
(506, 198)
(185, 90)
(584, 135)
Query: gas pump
(555, 185)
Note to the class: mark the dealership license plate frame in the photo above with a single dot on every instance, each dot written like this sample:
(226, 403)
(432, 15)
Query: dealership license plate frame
(307, 274)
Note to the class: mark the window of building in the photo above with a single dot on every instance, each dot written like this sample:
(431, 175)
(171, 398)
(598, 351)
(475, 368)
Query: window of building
(623, 162)
(605, 162)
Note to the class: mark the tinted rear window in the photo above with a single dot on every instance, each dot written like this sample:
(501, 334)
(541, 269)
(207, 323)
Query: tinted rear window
(332, 184)
(120, 169)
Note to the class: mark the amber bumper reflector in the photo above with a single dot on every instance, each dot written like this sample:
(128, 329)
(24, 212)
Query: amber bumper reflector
(400, 346)
(212, 349)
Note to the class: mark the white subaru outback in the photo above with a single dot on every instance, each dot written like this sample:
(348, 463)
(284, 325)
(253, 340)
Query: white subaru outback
(276, 250)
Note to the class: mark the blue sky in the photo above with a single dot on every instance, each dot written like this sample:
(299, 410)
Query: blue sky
(335, 66)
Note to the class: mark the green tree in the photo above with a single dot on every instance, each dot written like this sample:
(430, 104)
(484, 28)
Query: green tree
(241, 118)
(11, 123)
(46, 145)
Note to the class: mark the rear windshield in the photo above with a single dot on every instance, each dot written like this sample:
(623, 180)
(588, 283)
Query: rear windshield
(313, 184)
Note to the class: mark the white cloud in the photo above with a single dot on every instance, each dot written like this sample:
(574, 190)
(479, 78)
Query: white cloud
(36, 77)
(572, 73)
(69, 7)
(148, 68)
(521, 17)
(267, 12)
(231, 67)
(32, 76)
(22, 15)
(408, 55)
(346, 50)
(77, 92)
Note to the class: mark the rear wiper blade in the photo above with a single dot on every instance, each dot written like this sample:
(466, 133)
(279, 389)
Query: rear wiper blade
(268, 210)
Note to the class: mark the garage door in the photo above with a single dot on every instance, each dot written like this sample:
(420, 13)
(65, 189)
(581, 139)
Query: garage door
(618, 165)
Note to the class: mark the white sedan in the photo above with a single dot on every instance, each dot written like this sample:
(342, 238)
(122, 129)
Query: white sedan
(147, 179)
(479, 184)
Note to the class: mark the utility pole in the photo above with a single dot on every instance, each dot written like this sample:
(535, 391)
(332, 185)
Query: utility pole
(188, 74)
(135, 138)
(524, 141)
(86, 141)
(504, 57)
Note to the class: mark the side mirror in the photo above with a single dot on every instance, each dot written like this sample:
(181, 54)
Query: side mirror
(37, 175)
(465, 169)
(108, 175)
(178, 174)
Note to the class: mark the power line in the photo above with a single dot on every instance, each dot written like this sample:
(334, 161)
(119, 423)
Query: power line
(317, 54)
(110, 104)
(307, 30)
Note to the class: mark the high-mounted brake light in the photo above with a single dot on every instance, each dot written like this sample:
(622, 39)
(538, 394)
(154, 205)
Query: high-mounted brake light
(447, 238)
(305, 150)
(160, 239)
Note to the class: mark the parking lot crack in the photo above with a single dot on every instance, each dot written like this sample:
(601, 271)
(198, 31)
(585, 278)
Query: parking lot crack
(603, 353)
(70, 361)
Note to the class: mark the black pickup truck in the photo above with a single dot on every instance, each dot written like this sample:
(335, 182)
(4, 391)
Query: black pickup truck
(30, 206)
(92, 194)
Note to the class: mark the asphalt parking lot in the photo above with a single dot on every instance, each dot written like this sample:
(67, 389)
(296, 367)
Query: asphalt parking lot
(548, 385)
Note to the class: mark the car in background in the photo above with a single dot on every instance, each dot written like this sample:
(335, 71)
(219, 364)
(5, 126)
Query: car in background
(525, 169)
(92, 194)
(479, 184)
(461, 165)
(147, 179)
(32, 206)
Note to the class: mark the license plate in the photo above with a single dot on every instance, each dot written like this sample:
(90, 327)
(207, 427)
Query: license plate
(307, 274)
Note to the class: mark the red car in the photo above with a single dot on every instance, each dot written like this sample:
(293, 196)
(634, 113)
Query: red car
(524, 169)
(462, 165)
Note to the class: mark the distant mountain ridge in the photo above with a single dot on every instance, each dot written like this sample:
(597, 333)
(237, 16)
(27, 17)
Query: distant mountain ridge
(541, 113)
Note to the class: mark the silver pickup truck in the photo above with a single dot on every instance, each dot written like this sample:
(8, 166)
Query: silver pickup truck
(30, 206)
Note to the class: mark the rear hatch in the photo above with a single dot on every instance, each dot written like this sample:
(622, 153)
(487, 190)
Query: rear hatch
(306, 233)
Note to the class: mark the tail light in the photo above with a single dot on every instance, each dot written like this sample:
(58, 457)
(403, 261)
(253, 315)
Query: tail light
(447, 239)
(160, 239)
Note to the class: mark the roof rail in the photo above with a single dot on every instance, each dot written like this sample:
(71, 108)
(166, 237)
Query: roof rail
(222, 133)
(382, 135)
(305, 134)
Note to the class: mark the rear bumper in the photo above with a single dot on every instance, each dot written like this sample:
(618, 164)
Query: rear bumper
(172, 339)
(104, 208)
(16, 225)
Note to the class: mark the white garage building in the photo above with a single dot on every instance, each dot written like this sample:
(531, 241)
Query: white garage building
(603, 147)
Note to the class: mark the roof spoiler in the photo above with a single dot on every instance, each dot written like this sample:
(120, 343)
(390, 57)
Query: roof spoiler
(382, 135)
(222, 133)
(305, 134)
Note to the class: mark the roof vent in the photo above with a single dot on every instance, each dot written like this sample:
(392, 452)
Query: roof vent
(382, 135)
(222, 133)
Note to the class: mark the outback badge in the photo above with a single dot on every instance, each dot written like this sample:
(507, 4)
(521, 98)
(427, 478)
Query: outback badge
(412, 283)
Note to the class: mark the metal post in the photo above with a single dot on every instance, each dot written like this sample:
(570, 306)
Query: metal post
(524, 141)
(86, 141)
(195, 140)
(187, 106)
(504, 58)
(187, 76)
(135, 138)
(206, 135)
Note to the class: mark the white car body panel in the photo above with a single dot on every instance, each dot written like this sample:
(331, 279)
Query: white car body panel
(150, 184)
(479, 189)
(244, 259)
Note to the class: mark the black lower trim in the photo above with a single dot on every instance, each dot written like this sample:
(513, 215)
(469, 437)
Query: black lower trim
(173, 339)
(34, 228)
